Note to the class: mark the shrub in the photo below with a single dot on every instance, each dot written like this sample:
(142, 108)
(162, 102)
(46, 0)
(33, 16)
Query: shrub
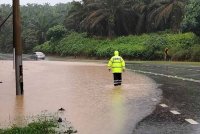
(195, 53)
(143, 47)
(47, 47)
(56, 32)
(181, 55)
(42, 124)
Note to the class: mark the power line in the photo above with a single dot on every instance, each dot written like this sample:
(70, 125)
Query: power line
(5, 20)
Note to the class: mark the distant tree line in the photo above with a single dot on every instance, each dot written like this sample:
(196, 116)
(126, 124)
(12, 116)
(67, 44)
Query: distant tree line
(123, 17)
(36, 21)
(102, 18)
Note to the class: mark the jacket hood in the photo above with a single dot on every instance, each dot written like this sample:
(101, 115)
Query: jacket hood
(116, 53)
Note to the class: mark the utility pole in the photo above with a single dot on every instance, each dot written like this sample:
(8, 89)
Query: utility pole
(17, 47)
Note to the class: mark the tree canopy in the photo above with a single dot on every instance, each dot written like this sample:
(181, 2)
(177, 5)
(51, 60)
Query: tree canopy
(104, 18)
(124, 17)
(36, 21)
(191, 20)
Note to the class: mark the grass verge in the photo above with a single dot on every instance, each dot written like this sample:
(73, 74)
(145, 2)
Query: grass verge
(43, 124)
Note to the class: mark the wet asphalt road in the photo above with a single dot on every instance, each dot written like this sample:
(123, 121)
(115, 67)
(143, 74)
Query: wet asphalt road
(85, 89)
(180, 84)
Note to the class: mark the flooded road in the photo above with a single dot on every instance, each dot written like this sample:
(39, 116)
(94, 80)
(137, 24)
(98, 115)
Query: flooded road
(179, 109)
(93, 105)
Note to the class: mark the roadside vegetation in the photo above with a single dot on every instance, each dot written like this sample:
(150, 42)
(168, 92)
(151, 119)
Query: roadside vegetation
(95, 28)
(182, 47)
(43, 127)
(43, 124)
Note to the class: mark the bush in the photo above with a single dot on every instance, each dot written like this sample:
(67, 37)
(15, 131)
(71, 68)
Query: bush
(76, 45)
(144, 47)
(154, 47)
(181, 55)
(47, 47)
(195, 54)
(43, 124)
(55, 33)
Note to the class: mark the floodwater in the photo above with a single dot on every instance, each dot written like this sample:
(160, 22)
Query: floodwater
(93, 105)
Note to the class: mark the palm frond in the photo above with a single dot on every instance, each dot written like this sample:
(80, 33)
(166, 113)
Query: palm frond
(164, 14)
(96, 13)
(97, 20)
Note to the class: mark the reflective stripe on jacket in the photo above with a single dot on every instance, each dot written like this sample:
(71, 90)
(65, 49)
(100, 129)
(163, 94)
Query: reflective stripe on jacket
(116, 63)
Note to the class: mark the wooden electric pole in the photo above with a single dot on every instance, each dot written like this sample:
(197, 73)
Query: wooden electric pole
(17, 47)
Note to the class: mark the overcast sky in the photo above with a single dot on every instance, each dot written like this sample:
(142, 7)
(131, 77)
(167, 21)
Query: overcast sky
(24, 2)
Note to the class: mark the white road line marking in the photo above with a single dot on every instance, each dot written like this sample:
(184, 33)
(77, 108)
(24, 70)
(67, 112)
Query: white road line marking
(169, 76)
(163, 105)
(191, 121)
(174, 112)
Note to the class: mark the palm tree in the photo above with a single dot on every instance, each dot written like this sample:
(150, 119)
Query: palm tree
(123, 17)
(75, 16)
(109, 16)
(42, 18)
(1, 19)
(165, 13)
(141, 8)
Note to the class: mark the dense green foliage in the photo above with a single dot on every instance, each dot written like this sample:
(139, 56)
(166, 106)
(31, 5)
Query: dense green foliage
(43, 124)
(5, 31)
(191, 21)
(44, 127)
(125, 17)
(145, 47)
(36, 21)
(47, 25)
(56, 32)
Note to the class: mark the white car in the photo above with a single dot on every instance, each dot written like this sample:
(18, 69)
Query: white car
(38, 55)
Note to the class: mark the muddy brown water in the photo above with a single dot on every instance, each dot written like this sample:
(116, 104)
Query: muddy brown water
(93, 105)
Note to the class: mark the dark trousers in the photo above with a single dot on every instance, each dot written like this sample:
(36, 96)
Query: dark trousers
(117, 79)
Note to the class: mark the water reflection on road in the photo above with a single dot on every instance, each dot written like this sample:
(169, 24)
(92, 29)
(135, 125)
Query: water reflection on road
(118, 109)
(85, 90)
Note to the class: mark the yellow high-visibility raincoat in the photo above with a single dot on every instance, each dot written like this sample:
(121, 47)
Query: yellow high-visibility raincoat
(116, 63)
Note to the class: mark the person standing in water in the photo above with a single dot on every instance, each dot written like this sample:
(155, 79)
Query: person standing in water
(117, 65)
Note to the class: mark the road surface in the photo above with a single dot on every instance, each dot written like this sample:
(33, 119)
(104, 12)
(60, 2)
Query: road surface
(93, 105)
(179, 110)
